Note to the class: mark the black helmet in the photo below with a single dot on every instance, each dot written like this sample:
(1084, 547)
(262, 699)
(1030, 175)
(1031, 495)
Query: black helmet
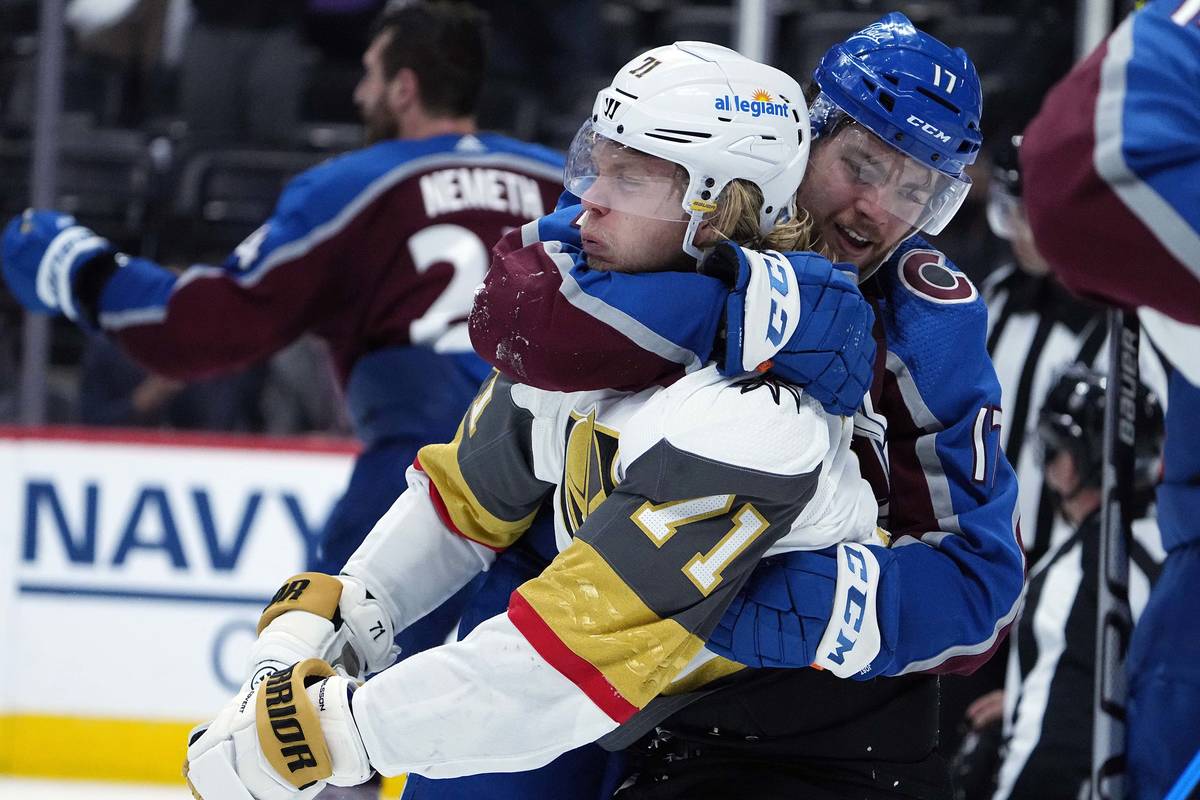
(1006, 168)
(1005, 214)
(1072, 419)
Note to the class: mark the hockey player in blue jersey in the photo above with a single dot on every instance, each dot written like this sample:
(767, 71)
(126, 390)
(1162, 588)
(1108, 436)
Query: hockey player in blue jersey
(376, 252)
(1112, 166)
(895, 117)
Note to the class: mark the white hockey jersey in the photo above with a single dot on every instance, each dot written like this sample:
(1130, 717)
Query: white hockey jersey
(663, 501)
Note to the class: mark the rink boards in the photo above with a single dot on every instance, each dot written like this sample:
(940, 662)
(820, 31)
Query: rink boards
(133, 569)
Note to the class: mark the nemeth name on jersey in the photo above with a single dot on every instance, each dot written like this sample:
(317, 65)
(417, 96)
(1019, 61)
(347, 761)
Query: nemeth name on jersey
(461, 188)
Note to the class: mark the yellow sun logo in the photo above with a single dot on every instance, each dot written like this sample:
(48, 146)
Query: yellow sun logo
(762, 95)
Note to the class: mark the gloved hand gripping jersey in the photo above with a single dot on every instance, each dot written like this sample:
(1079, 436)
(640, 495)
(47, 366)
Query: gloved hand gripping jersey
(801, 316)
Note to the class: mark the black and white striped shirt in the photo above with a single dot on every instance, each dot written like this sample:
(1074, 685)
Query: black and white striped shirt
(1035, 329)
(1051, 663)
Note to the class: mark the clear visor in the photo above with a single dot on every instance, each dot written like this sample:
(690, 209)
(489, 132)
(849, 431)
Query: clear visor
(918, 195)
(618, 177)
(1006, 214)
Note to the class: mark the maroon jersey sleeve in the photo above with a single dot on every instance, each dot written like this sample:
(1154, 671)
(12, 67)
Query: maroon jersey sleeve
(379, 248)
(1111, 168)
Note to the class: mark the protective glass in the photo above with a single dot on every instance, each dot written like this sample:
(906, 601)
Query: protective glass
(1006, 214)
(621, 178)
(918, 195)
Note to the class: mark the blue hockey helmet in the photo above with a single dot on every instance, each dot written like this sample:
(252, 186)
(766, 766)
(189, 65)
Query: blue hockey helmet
(915, 93)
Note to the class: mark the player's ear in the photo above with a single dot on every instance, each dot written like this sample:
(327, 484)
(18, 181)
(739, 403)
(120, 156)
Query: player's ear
(403, 90)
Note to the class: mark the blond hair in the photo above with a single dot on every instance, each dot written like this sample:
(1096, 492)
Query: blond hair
(736, 219)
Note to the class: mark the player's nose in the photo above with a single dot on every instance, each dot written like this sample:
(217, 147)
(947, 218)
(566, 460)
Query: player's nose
(360, 92)
(595, 200)
(868, 206)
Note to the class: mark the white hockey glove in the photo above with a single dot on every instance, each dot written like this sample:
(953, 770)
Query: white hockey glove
(321, 616)
(284, 740)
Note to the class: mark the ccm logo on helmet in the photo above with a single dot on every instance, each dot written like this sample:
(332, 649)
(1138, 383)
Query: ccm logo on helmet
(925, 127)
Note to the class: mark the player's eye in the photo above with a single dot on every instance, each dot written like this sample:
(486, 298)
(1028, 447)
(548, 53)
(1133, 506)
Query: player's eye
(632, 183)
(866, 171)
(853, 167)
(917, 195)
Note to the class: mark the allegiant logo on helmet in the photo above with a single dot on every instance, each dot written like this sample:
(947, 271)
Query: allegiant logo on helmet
(761, 105)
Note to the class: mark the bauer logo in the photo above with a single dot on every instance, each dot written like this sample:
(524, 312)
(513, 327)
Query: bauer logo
(761, 104)
(877, 32)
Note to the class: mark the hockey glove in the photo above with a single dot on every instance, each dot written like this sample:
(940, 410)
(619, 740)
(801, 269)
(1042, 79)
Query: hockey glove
(806, 608)
(321, 616)
(283, 740)
(42, 253)
(799, 315)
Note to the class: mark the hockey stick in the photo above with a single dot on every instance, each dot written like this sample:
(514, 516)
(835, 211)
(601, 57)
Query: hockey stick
(1114, 622)
(1189, 780)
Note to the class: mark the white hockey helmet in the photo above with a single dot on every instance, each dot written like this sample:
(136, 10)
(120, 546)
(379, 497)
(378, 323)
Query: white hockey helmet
(712, 111)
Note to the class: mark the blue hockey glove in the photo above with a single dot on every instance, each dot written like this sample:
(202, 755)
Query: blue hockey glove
(813, 608)
(801, 315)
(780, 615)
(41, 252)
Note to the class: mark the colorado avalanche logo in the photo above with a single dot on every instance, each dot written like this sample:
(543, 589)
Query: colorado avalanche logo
(925, 273)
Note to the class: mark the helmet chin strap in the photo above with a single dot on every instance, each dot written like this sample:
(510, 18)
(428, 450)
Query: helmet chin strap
(689, 236)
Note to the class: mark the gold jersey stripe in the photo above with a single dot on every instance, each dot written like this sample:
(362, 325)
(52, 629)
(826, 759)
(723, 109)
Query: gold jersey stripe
(470, 518)
(599, 618)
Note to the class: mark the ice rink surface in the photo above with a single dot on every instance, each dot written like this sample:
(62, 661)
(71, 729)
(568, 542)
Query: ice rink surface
(41, 789)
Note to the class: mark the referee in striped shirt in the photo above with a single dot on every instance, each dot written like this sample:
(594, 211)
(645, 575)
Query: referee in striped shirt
(1048, 694)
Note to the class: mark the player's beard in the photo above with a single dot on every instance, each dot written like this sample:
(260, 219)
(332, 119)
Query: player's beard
(378, 124)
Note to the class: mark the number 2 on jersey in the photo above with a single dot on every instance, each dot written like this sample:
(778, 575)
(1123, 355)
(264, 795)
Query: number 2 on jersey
(463, 250)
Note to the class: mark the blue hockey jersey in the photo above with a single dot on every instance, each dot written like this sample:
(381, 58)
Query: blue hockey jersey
(927, 436)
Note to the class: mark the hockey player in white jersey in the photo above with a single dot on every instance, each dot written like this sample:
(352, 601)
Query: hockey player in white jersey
(663, 499)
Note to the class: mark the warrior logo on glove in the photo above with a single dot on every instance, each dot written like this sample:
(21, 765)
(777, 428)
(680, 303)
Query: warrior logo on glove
(283, 712)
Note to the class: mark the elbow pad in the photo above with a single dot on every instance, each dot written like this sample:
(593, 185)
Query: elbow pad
(322, 616)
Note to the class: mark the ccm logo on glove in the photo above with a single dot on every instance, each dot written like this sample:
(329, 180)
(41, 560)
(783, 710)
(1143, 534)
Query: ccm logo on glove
(856, 604)
(852, 640)
(778, 276)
